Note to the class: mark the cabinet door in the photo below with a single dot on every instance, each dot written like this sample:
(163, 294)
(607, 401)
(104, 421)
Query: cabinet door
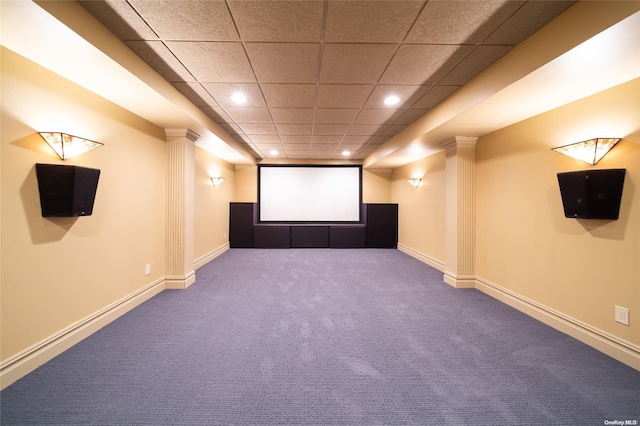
(382, 225)
(241, 225)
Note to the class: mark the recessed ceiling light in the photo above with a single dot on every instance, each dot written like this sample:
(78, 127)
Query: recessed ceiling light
(239, 98)
(346, 153)
(273, 152)
(391, 100)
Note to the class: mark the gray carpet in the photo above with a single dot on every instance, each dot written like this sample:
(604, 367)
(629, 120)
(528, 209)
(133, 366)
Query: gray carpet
(319, 337)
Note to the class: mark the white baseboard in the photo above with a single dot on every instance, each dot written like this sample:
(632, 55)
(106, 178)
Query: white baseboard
(203, 260)
(31, 358)
(431, 261)
(619, 349)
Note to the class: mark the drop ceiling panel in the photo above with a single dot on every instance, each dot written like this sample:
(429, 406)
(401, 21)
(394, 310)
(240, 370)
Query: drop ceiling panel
(458, 22)
(214, 61)
(343, 96)
(335, 115)
(222, 93)
(284, 62)
(293, 21)
(289, 95)
(354, 63)
(320, 67)
(188, 19)
(423, 64)
(292, 115)
(370, 22)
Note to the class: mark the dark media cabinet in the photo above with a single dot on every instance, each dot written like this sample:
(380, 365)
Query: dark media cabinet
(378, 229)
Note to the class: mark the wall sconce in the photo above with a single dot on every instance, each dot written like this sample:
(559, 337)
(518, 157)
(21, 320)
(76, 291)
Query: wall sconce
(590, 151)
(216, 181)
(68, 146)
(415, 182)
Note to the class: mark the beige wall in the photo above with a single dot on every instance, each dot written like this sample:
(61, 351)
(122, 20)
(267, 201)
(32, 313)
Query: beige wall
(579, 268)
(211, 221)
(421, 211)
(57, 271)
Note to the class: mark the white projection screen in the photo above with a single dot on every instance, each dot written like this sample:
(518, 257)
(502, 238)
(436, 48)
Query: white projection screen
(309, 193)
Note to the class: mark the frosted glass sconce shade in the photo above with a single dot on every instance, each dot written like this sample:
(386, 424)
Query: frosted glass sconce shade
(216, 181)
(68, 146)
(415, 182)
(590, 151)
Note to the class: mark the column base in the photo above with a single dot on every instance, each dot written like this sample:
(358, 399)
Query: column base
(180, 283)
(459, 281)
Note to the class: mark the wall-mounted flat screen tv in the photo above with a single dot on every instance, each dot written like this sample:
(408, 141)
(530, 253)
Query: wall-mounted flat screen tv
(66, 191)
(592, 194)
(309, 193)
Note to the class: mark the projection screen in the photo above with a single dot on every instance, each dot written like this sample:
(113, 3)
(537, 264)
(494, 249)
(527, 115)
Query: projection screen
(309, 193)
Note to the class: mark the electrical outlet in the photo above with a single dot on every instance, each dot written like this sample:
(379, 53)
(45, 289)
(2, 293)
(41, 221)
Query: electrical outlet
(622, 315)
(147, 269)
(224, 235)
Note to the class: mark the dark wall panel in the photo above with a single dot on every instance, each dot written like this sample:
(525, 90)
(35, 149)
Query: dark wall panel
(271, 237)
(309, 236)
(347, 237)
(241, 225)
(382, 225)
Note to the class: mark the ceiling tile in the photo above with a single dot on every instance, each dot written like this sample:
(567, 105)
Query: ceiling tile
(250, 115)
(214, 61)
(284, 62)
(292, 115)
(354, 63)
(407, 94)
(475, 63)
(265, 148)
(377, 116)
(264, 139)
(349, 147)
(324, 146)
(297, 21)
(460, 21)
(156, 54)
(295, 139)
(335, 116)
(289, 95)
(297, 147)
(364, 129)
(294, 129)
(188, 19)
(121, 19)
(196, 94)
(317, 140)
(222, 93)
(356, 140)
(258, 129)
(409, 116)
(434, 96)
(423, 64)
(330, 129)
(342, 96)
(379, 140)
(527, 20)
(370, 22)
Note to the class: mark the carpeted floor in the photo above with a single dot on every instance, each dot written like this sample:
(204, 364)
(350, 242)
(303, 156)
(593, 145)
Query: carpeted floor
(324, 337)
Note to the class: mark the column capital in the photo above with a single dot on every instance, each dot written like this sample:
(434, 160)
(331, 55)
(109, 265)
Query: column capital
(459, 141)
(181, 133)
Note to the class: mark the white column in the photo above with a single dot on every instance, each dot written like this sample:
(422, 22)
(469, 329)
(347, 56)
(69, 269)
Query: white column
(460, 211)
(179, 269)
